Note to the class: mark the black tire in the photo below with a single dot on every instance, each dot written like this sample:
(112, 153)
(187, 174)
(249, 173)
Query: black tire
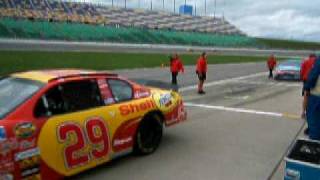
(149, 135)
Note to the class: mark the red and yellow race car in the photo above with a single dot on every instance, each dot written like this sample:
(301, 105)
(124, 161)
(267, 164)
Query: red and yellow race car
(57, 123)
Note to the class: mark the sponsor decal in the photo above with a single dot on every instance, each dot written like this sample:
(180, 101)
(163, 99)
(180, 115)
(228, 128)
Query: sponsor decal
(127, 109)
(6, 165)
(30, 172)
(26, 144)
(27, 154)
(6, 176)
(3, 134)
(24, 130)
(6, 146)
(29, 163)
(141, 94)
(119, 142)
(123, 136)
(33, 177)
(6, 155)
(105, 92)
(165, 100)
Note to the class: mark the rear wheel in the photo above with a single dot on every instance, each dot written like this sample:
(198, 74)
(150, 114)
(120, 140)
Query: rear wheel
(149, 135)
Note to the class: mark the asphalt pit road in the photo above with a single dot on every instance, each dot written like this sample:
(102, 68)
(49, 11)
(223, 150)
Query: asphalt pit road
(239, 89)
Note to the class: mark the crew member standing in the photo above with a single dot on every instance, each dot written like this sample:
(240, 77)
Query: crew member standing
(312, 91)
(175, 67)
(201, 71)
(272, 62)
(306, 67)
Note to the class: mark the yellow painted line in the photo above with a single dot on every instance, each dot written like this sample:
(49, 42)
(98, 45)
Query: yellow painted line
(291, 116)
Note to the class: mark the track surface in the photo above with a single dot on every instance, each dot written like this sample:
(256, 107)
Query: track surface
(239, 130)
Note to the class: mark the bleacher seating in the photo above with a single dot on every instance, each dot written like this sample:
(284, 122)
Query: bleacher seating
(55, 10)
(163, 20)
(51, 10)
(13, 28)
(62, 20)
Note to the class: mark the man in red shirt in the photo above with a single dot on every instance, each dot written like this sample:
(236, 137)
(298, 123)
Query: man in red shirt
(175, 67)
(272, 62)
(306, 67)
(201, 71)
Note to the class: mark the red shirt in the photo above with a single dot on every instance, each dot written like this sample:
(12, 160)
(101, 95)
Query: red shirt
(271, 62)
(202, 65)
(306, 67)
(176, 66)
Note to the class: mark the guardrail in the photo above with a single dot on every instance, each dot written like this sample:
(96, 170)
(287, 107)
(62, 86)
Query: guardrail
(45, 45)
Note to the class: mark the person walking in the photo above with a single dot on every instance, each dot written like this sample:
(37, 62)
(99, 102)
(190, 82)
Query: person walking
(201, 71)
(271, 63)
(312, 91)
(176, 66)
(306, 67)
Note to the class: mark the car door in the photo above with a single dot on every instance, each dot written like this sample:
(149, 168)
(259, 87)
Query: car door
(130, 106)
(75, 136)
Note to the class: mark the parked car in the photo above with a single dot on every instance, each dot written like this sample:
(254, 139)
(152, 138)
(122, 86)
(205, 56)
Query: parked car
(57, 123)
(288, 70)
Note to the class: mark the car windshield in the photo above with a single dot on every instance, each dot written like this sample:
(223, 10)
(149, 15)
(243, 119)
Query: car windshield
(14, 91)
(290, 63)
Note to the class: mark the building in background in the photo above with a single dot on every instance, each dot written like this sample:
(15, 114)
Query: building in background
(186, 9)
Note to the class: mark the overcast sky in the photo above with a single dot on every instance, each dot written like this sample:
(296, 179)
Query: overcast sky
(286, 19)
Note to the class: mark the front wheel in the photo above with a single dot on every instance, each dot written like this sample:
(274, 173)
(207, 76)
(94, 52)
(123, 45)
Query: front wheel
(149, 135)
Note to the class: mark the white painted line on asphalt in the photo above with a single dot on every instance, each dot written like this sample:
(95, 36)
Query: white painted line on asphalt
(272, 83)
(240, 110)
(224, 81)
(237, 97)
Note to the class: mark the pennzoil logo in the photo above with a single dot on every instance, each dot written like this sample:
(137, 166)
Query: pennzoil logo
(165, 101)
(24, 130)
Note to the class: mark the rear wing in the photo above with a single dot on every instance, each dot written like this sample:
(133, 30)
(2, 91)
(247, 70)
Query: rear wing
(84, 74)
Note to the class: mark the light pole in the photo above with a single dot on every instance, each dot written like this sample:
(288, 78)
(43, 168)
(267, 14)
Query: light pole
(125, 4)
(205, 7)
(224, 8)
(195, 8)
(163, 4)
(112, 3)
(174, 6)
(215, 8)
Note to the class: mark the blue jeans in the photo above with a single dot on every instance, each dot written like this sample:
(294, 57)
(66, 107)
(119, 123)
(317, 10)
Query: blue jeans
(313, 117)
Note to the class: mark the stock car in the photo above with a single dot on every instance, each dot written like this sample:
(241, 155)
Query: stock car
(57, 123)
(288, 70)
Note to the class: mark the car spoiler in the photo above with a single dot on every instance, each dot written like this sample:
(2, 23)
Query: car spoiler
(156, 84)
(90, 74)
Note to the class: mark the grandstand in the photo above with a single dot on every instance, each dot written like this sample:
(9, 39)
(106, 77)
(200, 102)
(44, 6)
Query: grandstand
(61, 20)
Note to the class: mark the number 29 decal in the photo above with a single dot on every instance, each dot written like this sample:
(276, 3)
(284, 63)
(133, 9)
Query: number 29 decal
(76, 151)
